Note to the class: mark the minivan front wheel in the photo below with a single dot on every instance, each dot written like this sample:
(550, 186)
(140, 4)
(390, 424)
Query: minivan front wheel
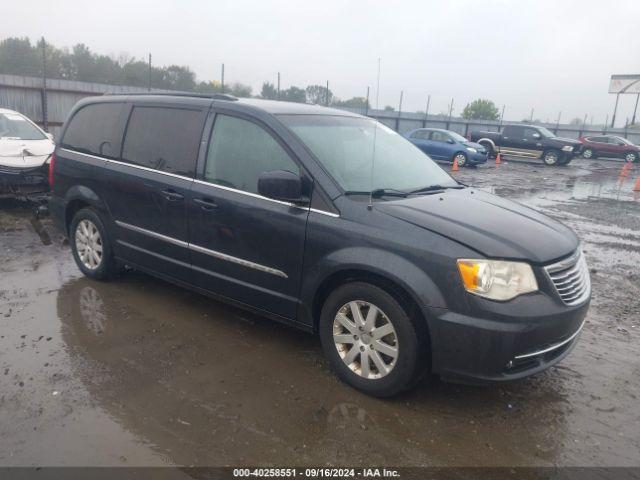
(369, 339)
(90, 245)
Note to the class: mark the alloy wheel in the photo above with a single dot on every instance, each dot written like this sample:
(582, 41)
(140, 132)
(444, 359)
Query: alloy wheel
(365, 339)
(88, 244)
(551, 158)
(588, 153)
(462, 159)
(631, 157)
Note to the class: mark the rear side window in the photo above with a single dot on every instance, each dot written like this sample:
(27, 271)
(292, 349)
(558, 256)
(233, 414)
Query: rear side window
(96, 129)
(165, 139)
(513, 131)
(421, 134)
(240, 151)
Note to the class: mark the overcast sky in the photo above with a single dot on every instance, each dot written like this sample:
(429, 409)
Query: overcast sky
(543, 54)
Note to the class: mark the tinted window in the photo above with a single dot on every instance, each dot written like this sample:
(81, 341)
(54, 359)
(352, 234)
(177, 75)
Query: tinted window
(529, 134)
(96, 129)
(598, 139)
(240, 151)
(439, 136)
(513, 131)
(165, 139)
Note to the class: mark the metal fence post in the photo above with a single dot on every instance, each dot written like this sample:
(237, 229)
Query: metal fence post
(45, 113)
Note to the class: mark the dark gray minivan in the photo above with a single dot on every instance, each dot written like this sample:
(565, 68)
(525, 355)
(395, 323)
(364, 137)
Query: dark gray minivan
(325, 220)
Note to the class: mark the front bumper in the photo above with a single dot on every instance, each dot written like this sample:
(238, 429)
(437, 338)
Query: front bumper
(477, 158)
(519, 338)
(21, 177)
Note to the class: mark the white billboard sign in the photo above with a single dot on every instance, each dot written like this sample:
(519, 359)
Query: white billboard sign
(624, 84)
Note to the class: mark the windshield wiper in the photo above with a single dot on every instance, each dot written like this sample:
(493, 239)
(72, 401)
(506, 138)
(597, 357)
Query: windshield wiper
(435, 188)
(378, 192)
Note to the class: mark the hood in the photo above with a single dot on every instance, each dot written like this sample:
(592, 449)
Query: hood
(474, 145)
(25, 153)
(493, 226)
(571, 141)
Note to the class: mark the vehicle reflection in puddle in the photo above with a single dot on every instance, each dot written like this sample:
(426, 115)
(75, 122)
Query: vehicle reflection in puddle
(183, 372)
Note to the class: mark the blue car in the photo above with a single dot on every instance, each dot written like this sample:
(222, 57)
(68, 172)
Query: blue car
(445, 145)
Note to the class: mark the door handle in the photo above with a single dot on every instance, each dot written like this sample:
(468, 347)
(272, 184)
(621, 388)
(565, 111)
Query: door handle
(205, 203)
(172, 195)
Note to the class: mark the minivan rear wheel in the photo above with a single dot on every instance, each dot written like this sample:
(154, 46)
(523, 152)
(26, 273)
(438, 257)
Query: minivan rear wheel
(369, 340)
(90, 245)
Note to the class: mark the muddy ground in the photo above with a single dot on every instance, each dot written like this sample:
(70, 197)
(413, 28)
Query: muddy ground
(138, 372)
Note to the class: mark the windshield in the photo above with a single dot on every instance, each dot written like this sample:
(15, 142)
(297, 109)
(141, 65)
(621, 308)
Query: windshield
(545, 133)
(16, 127)
(344, 146)
(457, 136)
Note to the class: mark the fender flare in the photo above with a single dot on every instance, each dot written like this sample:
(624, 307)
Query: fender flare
(415, 281)
(86, 195)
(488, 140)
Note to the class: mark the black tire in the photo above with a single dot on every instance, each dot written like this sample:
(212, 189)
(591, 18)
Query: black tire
(589, 153)
(489, 148)
(631, 157)
(107, 267)
(552, 157)
(462, 159)
(412, 347)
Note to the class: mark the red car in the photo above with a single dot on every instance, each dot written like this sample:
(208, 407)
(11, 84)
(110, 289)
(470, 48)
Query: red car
(595, 146)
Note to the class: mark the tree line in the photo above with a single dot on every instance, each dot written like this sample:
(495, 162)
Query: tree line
(19, 56)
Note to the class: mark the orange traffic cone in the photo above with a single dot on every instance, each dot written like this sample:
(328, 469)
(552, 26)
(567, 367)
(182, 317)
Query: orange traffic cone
(625, 170)
(455, 167)
(498, 159)
(636, 187)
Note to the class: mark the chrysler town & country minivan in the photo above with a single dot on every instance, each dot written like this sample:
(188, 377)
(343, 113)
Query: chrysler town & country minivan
(327, 221)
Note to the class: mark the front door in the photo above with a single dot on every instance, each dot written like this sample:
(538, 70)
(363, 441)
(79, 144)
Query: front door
(245, 246)
(149, 185)
(439, 145)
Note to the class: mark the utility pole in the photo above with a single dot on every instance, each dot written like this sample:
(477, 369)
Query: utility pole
(149, 75)
(633, 120)
(558, 122)
(615, 110)
(531, 119)
(606, 123)
(426, 112)
(278, 86)
(501, 118)
(400, 104)
(45, 113)
(222, 79)
(366, 105)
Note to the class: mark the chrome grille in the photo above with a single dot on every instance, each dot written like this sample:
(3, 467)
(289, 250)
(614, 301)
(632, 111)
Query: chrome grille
(571, 278)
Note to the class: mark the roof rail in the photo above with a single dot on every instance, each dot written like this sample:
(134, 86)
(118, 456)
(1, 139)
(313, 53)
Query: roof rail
(214, 96)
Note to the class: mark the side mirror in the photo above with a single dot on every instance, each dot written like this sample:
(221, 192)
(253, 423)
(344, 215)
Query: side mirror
(450, 141)
(536, 136)
(280, 185)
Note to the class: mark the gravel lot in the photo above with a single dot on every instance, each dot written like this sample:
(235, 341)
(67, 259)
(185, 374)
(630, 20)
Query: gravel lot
(138, 372)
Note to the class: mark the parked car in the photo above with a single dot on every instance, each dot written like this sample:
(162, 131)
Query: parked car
(25, 150)
(609, 146)
(288, 210)
(529, 141)
(448, 146)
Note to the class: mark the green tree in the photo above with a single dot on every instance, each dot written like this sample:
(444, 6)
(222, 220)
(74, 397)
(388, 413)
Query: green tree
(319, 95)
(389, 108)
(269, 91)
(294, 94)
(354, 102)
(481, 109)
(19, 57)
(238, 89)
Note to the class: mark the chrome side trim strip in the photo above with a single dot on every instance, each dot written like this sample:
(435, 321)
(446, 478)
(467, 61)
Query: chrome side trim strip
(206, 251)
(552, 347)
(201, 182)
(239, 261)
(159, 236)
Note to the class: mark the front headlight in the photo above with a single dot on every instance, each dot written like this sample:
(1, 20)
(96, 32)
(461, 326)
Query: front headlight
(496, 279)
(567, 148)
(472, 150)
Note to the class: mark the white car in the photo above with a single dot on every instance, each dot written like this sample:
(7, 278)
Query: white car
(25, 151)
